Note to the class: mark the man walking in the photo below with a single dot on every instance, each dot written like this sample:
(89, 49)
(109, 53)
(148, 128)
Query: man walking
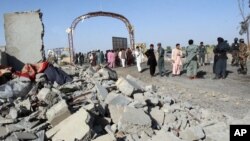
(161, 62)
(191, 60)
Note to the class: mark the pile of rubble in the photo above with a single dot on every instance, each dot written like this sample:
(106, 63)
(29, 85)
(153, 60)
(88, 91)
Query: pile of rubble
(98, 106)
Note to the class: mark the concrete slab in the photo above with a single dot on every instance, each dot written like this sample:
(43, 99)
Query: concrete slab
(25, 136)
(3, 132)
(106, 137)
(23, 34)
(134, 121)
(101, 92)
(76, 124)
(157, 115)
(192, 133)
(57, 113)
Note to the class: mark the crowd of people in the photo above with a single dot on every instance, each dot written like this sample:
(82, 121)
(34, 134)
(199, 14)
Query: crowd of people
(195, 57)
(182, 61)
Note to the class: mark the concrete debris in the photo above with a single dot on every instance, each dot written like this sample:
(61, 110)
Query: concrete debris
(23, 32)
(157, 116)
(73, 127)
(98, 106)
(3, 132)
(25, 136)
(192, 133)
(134, 120)
(101, 92)
(167, 136)
(127, 86)
(106, 137)
(57, 113)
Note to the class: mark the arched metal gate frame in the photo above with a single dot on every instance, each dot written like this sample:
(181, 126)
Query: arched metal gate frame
(70, 30)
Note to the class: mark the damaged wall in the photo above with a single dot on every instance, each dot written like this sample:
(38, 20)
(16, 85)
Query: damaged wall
(24, 38)
(3, 59)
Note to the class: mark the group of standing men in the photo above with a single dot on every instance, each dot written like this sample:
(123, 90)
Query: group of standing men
(79, 58)
(195, 57)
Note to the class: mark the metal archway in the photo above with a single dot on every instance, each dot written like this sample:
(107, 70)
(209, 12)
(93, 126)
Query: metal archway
(96, 14)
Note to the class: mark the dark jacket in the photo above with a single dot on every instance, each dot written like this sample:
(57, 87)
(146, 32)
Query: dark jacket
(151, 57)
(221, 50)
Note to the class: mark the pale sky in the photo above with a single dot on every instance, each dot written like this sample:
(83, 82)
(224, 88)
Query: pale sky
(165, 21)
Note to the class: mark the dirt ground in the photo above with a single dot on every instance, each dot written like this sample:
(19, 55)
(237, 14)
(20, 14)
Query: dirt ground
(230, 96)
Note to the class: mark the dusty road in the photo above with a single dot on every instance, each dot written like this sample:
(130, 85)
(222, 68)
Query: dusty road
(230, 96)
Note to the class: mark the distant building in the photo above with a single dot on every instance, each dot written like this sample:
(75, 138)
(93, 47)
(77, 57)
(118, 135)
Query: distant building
(59, 51)
(119, 42)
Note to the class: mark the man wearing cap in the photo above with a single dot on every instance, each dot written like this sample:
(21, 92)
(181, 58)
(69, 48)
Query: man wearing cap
(242, 57)
(235, 52)
(161, 53)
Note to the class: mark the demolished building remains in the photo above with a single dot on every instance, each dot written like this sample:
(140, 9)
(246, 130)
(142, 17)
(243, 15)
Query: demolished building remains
(97, 105)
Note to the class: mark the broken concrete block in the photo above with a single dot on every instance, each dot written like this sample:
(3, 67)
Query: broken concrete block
(57, 113)
(152, 101)
(25, 136)
(169, 118)
(116, 112)
(6, 120)
(139, 97)
(134, 121)
(114, 127)
(192, 133)
(89, 72)
(43, 93)
(3, 56)
(76, 124)
(140, 84)
(110, 97)
(110, 132)
(40, 136)
(27, 125)
(25, 103)
(13, 113)
(166, 136)
(120, 100)
(218, 131)
(127, 87)
(106, 137)
(101, 92)
(13, 128)
(107, 73)
(23, 30)
(144, 136)
(166, 100)
(68, 88)
(3, 132)
(157, 115)
(151, 88)
(137, 104)
(11, 138)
